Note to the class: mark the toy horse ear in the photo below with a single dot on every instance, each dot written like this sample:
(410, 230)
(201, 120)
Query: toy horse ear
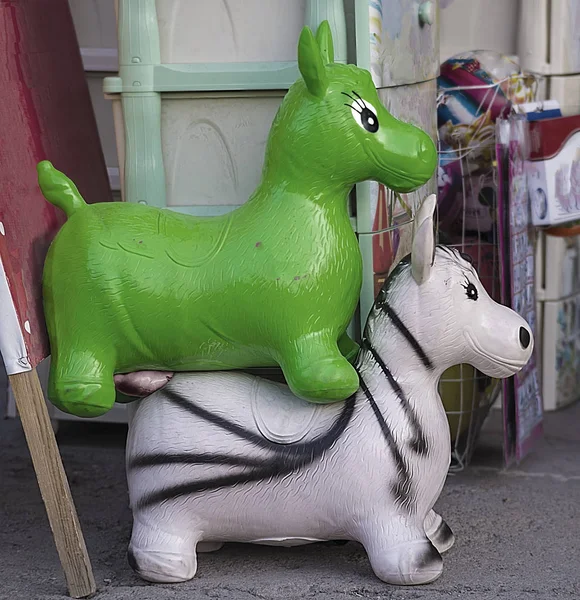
(324, 39)
(311, 65)
(423, 251)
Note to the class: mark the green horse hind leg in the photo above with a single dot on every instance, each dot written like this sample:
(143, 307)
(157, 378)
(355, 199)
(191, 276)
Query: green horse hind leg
(81, 385)
(317, 371)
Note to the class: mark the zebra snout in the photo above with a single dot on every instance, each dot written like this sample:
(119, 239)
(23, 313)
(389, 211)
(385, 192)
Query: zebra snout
(525, 338)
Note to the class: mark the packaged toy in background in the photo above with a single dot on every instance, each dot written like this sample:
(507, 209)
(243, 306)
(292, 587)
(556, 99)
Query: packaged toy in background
(553, 170)
(449, 187)
(475, 89)
(466, 193)
(475, 202)
(523, 411)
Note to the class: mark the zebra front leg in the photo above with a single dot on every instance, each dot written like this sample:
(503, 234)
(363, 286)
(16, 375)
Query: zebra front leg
(399, 551)
(439, 532)
(160, 556)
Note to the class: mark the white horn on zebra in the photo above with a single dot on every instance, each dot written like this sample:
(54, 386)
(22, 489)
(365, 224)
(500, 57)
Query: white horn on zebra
(423, 250)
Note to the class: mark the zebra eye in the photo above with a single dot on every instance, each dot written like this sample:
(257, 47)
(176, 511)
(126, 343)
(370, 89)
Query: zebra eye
(471, 291)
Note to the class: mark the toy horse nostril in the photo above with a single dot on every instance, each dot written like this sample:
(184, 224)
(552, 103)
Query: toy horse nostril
(525, 337)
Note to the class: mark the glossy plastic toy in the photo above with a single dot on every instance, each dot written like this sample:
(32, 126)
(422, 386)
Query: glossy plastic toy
(129, 287)
(239, 458)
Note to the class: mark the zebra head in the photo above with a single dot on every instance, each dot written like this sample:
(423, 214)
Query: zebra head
(436, 303)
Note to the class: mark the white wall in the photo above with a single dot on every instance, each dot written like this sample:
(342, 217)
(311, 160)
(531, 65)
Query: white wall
(478, 25)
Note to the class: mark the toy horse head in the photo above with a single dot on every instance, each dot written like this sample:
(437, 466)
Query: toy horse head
(441, 313)
(332, 125)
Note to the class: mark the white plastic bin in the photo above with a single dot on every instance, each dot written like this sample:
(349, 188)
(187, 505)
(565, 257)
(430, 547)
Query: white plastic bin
(549, 43)
(558, 297)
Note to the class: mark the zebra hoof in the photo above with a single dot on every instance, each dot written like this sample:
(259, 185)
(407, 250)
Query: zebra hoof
(443, 538)
(415, 563)
(162, 567)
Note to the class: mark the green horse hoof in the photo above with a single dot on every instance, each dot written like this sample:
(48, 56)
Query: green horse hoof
(330, 380)
(82, 399)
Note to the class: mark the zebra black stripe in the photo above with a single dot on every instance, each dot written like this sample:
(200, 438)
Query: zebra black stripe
(185, 458)
(407, 335)
(419, 443)
(286, 459)
(402, 489)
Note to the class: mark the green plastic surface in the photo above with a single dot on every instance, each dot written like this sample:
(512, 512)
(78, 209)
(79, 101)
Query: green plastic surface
(130, 287)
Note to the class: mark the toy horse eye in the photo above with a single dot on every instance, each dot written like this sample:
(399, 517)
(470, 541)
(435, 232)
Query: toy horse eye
(471, 291)
(364, 113)
(368, 120)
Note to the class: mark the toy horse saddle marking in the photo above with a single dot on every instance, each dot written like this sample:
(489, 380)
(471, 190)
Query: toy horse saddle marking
(282, 418)
(220, 237)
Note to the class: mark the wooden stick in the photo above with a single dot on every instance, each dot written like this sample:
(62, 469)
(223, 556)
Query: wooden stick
(53, 484)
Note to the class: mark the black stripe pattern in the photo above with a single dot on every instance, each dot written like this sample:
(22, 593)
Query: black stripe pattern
(290, 458)
(402, 489)
(411, 339)
(419, 442)
(286, 458)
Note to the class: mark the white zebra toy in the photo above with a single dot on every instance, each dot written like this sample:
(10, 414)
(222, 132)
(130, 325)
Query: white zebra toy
(218, 457)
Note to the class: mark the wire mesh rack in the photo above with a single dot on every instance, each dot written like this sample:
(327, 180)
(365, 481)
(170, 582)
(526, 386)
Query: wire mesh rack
(467, 184)
(468, 394)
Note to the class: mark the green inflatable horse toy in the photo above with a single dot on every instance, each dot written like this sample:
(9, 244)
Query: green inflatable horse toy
(131, 288)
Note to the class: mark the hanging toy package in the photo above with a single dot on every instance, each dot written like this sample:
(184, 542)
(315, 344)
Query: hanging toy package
(522, 400)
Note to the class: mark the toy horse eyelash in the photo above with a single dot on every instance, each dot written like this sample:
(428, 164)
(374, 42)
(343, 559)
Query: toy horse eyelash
(470, 290)
(360, 103)
(353, 107)
(359, 99)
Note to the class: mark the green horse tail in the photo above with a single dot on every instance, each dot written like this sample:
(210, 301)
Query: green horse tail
(58, 189)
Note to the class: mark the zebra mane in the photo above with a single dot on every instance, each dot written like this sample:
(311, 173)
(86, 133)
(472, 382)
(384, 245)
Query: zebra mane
(457, 255)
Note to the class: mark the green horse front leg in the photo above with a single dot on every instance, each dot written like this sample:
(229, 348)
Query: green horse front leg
(316, 369)
(81, 383)
(348, 348)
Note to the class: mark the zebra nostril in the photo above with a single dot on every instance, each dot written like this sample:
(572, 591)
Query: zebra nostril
(525, 337)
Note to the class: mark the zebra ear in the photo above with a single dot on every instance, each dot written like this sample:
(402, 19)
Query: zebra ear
(423, 252)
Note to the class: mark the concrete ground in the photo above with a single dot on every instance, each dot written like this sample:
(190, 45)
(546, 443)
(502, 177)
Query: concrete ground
(517, 531)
